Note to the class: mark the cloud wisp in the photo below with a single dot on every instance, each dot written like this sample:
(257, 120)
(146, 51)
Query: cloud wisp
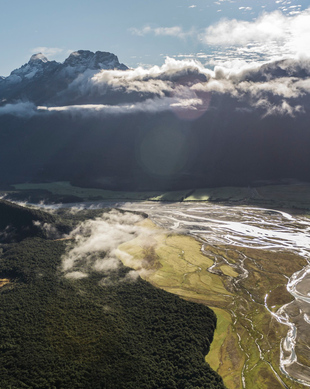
(270, 36)
(24, 109)
(174, 31)
(48, 51)
(192, 103)
(96, 242)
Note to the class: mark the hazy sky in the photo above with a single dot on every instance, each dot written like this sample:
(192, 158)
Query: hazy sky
(144, 32)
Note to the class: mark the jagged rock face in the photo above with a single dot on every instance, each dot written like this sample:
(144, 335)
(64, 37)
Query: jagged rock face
(39, 80)
(37, 66)
(85, 59)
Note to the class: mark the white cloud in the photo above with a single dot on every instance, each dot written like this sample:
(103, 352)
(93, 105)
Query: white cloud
(140, 32)
(167, 84)
(299, 26)
(235, 78)
(273, 35)
(131, 276)
(48, 51)
(76, 275)
(240, 32)
(171, 31)
(272, 32)
(157, 79)
(175, 31)
(186, 88)
(182, 102)
(50, 231)
(96, 244)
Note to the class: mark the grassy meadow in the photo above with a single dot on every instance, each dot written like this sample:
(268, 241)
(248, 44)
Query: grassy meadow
(246, 342)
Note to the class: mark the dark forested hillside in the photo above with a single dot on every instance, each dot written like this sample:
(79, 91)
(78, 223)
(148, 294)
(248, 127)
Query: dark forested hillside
(57, 332)
(18, 222)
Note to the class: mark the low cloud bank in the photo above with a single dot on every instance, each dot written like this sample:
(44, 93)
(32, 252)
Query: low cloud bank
(185, 87)
(188, 86)
(149, 106)
(96, 242)
(19, 109)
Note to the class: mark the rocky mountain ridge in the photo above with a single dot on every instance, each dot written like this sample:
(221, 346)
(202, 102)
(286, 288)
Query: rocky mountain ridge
(40, 79)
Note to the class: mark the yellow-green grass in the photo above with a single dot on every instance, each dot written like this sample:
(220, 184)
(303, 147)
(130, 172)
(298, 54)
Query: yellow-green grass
(247, 337)
(220, 194)
(177, 265)
(228, 271)
(179, 195)
(225, 356)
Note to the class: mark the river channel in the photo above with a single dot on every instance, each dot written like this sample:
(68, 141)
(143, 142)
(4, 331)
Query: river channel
(260, 229)
(247, 230)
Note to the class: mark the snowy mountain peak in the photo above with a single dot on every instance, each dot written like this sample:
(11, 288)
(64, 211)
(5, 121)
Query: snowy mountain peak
(37, 58)
(40, 79)
(33, 68)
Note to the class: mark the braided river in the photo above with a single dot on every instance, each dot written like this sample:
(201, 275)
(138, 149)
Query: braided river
(267, 254)
(256, 228)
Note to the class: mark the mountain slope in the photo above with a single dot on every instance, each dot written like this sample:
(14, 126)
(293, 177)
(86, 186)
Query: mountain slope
(40, 79)
(18, 223)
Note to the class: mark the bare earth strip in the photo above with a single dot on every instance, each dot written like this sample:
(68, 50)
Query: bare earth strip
(245, 350)
(4, 281)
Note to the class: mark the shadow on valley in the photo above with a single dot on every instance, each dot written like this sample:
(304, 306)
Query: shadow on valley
(145, 151)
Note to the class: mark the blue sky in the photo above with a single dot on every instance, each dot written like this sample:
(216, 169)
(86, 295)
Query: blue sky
(144, 32)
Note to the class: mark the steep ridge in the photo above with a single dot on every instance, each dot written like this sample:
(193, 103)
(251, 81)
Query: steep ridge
(18, 222)
(40, 79)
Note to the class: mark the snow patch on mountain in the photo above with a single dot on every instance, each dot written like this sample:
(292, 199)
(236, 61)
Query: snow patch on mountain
(77, 62)
(39, 79)
(37, 58)
(36, 66)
